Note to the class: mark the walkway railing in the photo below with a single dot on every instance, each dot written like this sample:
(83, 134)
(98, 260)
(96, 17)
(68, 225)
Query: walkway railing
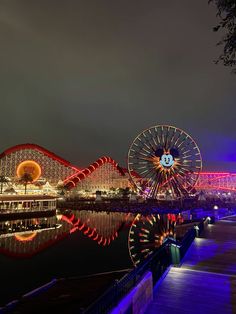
(171, 252)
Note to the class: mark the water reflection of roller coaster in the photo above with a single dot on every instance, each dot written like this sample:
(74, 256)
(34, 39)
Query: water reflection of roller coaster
(26, 238)
(99, 227)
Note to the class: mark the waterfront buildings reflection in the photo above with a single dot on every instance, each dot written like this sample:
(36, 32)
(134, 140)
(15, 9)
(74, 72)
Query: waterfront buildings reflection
(76, 243)
(26, 237)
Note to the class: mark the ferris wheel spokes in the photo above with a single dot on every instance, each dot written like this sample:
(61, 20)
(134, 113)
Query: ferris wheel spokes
(164, 159)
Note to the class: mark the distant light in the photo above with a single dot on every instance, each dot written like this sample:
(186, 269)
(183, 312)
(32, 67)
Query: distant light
(215, 207)
(59, 216)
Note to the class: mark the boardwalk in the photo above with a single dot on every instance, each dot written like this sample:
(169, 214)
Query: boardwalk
(206, 280)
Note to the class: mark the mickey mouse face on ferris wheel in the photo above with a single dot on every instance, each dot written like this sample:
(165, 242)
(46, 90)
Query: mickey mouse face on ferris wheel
(167, 158)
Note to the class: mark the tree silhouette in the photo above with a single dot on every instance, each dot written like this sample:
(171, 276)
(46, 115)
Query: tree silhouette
(125, 192)
(25, 179)
(61, 189)
(3, 180)
(227, 15)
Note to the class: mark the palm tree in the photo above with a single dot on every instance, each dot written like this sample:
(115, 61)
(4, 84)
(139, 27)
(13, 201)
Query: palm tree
(61, 189)
(25, 179)
(3, 180)
(124, 192)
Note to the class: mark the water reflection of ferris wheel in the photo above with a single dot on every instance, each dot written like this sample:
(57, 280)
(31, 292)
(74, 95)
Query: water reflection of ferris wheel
(148, 233)
(164, 160)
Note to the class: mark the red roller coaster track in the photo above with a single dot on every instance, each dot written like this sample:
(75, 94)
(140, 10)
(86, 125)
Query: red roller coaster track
(90, 232)
(72, 180)
(224, 181)
(41, 150)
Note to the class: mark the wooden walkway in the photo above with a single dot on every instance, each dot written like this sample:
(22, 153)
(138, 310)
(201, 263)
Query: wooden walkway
(206, 280)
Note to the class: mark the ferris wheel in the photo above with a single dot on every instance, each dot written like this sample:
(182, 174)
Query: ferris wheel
(164, 162)
(147, 233)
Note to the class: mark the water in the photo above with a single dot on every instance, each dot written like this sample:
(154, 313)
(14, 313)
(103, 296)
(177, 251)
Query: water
(34, 251)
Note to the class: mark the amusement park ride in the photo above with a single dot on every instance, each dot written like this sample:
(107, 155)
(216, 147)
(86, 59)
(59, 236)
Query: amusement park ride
(164, 160)
(164, 165)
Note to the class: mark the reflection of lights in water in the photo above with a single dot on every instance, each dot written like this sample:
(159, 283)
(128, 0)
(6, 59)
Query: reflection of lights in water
(25, 236)
(26, 242)
(147, 233)
(98, 226)
(29, 236)
(28, 239)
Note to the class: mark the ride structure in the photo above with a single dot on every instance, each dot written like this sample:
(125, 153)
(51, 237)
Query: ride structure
(164, 161)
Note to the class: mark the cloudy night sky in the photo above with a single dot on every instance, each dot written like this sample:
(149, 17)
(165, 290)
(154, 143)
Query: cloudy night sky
(83, 78)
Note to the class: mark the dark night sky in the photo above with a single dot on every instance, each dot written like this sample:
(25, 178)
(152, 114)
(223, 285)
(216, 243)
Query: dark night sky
(83, 78)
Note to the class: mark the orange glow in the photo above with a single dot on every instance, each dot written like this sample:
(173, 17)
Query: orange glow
(31, 167)
(25, 237)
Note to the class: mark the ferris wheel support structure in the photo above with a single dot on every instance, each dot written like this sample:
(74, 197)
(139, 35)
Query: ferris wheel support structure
(164, 161)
